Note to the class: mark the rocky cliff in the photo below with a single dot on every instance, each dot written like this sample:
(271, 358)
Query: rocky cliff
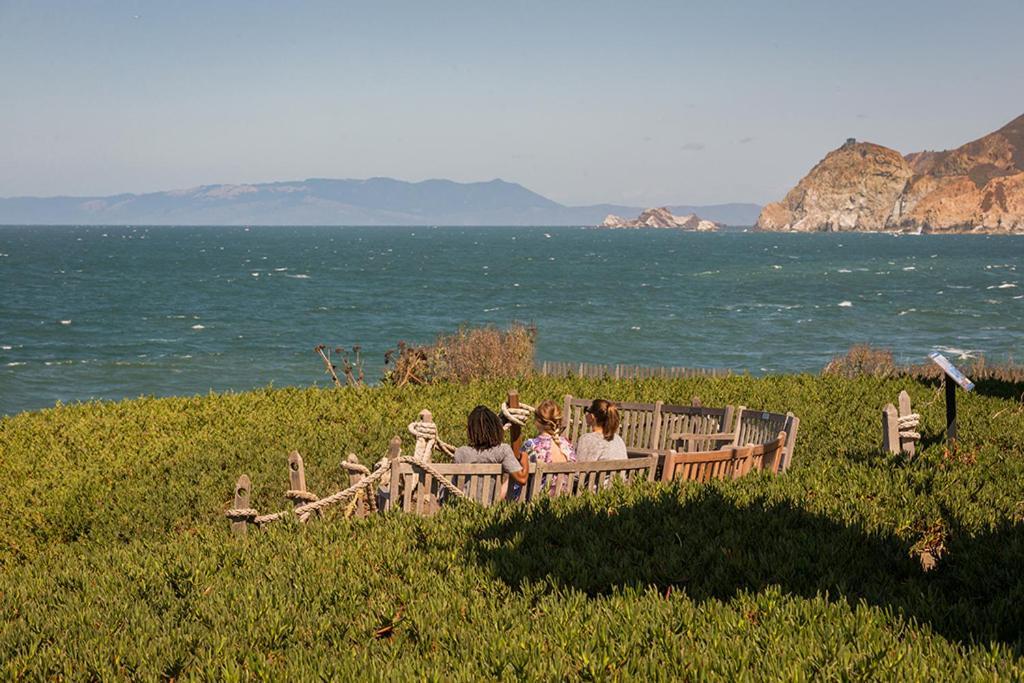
(978, 187)
(661, 218)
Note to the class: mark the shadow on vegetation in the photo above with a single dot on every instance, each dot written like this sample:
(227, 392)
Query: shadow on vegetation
(997, 388)
(712, 548)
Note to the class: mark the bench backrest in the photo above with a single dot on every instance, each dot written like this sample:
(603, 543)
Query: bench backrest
(577, 478)
(639, 427)
(759, 427)
(417, 490)
(694, 420)
(725, 463)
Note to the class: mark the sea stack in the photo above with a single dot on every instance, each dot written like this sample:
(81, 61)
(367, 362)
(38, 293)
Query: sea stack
(661, 218)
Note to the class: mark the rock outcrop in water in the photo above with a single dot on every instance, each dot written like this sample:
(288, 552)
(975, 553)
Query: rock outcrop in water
(661, 218)
(978, 187)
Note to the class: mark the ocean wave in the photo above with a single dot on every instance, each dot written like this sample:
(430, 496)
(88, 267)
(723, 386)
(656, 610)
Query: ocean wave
(300, 276)
(961, 354)
(199, 327)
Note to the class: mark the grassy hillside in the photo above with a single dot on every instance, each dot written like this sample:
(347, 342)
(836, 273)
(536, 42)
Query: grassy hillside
(116, 561)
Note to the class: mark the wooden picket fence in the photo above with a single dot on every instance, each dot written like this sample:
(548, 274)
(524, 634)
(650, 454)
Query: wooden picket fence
(620, 371)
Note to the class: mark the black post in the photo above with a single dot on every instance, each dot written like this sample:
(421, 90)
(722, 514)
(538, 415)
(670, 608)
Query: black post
(950, 411)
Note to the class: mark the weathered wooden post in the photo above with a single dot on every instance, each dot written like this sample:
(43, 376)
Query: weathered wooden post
(297, 492)
(354, 477)
(296, 476)
(907, 440)
(957, 377)
(391, 495)
(890, 429)
(242, 488)
(515, 439)
(515, 432)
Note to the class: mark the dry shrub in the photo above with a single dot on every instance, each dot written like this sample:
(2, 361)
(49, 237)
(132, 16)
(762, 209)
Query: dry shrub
(471, 353)
(862, 359)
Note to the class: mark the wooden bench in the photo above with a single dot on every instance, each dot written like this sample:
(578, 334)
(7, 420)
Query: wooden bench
(726, 463)
(420, 492)
(576, 478)
(756, 427)
(639, 426)
(696, 428)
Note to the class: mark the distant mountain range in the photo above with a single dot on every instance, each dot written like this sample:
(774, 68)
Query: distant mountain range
(376, 201)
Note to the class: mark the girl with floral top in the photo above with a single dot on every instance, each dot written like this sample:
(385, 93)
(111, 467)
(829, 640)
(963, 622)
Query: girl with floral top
(549, 446)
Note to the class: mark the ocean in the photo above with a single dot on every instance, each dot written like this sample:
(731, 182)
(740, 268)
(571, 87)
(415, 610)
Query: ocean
(115, 312)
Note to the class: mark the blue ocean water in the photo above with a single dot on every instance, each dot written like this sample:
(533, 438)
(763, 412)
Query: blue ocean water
(113, 312)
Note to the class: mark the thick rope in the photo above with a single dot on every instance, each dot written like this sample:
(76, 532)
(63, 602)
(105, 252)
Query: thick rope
(441, 479)
(427, 440)
(908, 425)
(519, 416)
(295, 494)
(241, 514)
(365, 486)
(303, 511)
(356, 467)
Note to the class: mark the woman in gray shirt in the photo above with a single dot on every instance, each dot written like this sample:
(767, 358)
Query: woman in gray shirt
(486, 445)
(602, 442)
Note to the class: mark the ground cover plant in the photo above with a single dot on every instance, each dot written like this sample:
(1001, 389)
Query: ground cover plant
(116, 560)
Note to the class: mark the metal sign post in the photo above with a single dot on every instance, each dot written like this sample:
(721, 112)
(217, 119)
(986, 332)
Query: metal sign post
(957, 377)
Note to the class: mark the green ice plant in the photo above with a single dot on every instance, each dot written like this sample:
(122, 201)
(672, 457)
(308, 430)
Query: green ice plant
(116, 560)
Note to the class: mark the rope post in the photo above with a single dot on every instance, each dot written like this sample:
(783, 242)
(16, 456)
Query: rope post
(890, 429)
(394, 452)
(424, 447)
(353, 479)
(906, 443)
(296, 475)
(297, 492)
(242, 488)
(515, 432)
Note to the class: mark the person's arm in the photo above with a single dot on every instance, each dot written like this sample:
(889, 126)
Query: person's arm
(523, 475)
(518, 468)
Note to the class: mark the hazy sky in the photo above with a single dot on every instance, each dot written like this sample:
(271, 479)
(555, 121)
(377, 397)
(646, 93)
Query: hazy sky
(635, 102)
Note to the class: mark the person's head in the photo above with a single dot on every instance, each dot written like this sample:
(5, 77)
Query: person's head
(548, 417)
(483, 429)
(603, 414)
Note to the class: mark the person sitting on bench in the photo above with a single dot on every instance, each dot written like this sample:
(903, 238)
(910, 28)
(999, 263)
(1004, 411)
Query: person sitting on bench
(548, 446)
(486, 445)
(603, 441)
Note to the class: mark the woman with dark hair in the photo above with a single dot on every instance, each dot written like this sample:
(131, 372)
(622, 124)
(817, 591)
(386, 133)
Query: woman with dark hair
(602, 442)
(486, 440)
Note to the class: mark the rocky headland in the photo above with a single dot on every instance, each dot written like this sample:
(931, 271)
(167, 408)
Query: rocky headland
(661, 218)
(978, 187)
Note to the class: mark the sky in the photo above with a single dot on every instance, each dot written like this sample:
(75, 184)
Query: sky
(641, 103)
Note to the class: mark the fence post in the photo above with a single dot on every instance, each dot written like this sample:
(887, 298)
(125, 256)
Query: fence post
(297, 480)
(890, 429)
(242, 488)
(353, 479)
(394, 450)
(906, 445)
